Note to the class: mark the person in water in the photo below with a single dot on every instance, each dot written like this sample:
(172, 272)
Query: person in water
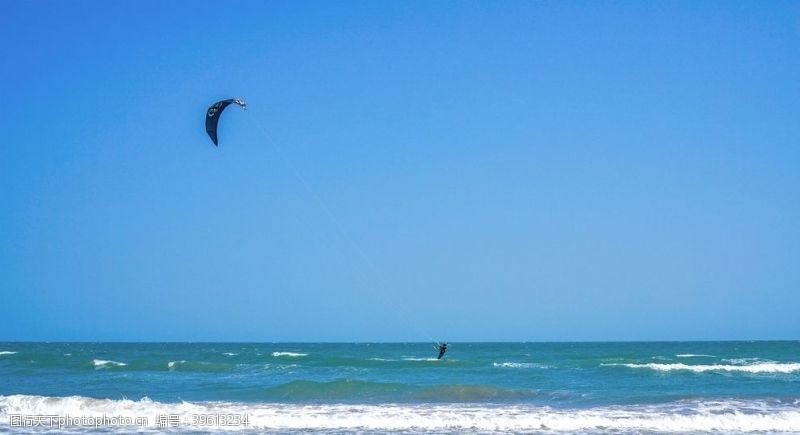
(442, 350)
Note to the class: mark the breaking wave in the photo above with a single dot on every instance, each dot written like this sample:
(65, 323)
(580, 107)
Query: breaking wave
(678, 417)
(172, 364)
(289, 354)
(745, 360)
(100, 363)
(773, 367)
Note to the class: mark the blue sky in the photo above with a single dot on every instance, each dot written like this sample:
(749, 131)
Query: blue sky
(404, 171)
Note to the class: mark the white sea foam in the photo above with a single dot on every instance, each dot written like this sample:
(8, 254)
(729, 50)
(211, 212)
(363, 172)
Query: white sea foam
(230, 354)
(100, 363)
(289, 354)
(420, 359)
(772, 367)
(693, 355)
(520, 365)
(7, 352)
(685, 417)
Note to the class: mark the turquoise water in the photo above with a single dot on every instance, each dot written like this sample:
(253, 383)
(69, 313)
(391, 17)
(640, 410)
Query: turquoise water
(477, 387)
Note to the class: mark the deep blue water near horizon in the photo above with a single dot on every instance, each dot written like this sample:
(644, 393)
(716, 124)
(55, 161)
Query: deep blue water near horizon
(592, 387)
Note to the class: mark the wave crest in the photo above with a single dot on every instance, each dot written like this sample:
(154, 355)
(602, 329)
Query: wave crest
(694, 355)
(172, 364)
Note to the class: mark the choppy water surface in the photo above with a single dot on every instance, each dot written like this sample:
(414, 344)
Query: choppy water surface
(478, 387)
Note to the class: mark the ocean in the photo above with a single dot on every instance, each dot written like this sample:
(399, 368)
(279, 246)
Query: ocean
(651, 387)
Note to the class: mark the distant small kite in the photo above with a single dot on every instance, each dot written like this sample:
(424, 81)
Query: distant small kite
(214, 112)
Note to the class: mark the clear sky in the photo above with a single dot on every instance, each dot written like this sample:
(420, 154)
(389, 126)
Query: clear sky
(405, 170)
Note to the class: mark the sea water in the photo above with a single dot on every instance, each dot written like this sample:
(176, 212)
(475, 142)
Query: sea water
(671, 387)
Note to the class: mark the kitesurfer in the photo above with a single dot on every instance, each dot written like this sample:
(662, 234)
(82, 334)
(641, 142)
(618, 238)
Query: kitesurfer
(442, 350)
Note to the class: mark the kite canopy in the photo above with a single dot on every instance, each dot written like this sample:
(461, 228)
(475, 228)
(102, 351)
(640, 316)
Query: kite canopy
(214, 112)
